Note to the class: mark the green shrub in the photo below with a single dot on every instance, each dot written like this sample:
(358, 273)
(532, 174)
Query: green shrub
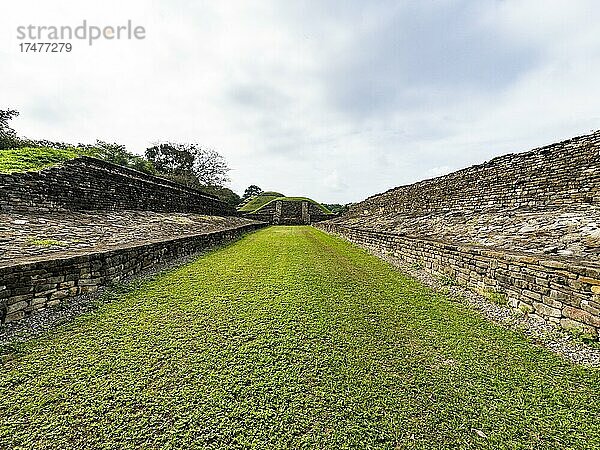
(499, 298)
(27, 159)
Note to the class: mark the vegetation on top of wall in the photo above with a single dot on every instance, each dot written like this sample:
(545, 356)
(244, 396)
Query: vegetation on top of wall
(264, 198)
(251, 191)
(27, 159)
(336, 208)
(34, 156)
(188, 164)
(8, 136)
(223, 193)
(258, 201)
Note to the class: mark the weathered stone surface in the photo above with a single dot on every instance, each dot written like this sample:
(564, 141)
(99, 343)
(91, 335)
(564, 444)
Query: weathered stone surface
(581, 316)
(546, 311)
(18, 306)
(59, 294)
(85, 273)
(81, 232)
(91, 184)
(527, 225)
(591, 307)
(579, 327)
(17, 315)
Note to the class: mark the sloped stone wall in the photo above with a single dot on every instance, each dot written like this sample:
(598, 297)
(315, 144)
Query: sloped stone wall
(564, 173)
(91, 184)
(555, 179)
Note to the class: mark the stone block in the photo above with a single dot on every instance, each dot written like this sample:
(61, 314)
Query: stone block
(580, 315)
(19, 298)
(73, 291)
(552, 302)
(17, 315)
(546, 311)
(19, 306)
(573, 325)
(532, 295)
(590, 307)
(44, 288)
(591, 281)
(59, 295)
(88, 289)
(39, 301)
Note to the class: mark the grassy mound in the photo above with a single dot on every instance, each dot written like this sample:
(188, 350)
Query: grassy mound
(258, 201)
(291, 338)
(32, 158)
(265, 198)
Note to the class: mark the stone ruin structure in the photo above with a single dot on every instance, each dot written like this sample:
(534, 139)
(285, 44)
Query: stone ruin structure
(91, 184)
(70, 229)
(290, 212)
(522, 227)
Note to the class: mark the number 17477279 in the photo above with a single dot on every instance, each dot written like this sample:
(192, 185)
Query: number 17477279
(45, 47)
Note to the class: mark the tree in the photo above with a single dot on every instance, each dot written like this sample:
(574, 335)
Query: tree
(251, 191)
(189, 164)
(118, 154)
(336, 208)
(114, 153)
(8, 136)
(223, 193)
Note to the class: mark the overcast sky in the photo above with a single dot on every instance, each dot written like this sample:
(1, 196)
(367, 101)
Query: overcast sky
(332, 100)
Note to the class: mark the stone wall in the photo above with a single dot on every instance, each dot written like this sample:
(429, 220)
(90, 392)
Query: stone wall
(282, 212)
(91, 184)
(25, 288)
(563, 291)
(561, 180)
(567, 172)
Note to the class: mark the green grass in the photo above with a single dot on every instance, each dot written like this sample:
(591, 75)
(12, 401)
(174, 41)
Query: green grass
(499, 298)
(45, 242)
(258, 201)
(291, 338)
(262, 200)
(32, 159)
(447, 280)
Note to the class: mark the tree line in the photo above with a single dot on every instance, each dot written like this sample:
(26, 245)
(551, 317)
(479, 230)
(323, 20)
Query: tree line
(189, 164)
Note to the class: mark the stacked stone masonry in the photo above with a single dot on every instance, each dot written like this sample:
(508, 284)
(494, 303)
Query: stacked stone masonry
(91, 184)
(559, 177)
(25, 288)
(288, 212)
(559, 174)
(559, 291)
